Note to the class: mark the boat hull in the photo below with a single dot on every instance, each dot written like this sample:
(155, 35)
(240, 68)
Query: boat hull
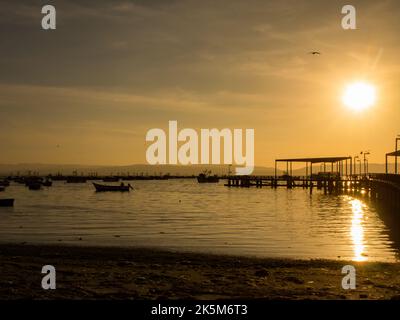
(104, 188)
(6, 202)
(4, 183)
(207, 179)
(35, 186)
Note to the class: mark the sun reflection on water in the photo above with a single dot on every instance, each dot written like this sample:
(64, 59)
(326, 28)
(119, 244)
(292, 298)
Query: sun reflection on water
(357, 230)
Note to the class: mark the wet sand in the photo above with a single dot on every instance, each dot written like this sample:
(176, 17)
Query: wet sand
(135, 273)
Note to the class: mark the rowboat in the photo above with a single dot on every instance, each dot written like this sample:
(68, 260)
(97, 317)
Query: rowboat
(35, 186)
(6, 202)
(206, 177)
(121, 188)
(4, 183)
(47, 183)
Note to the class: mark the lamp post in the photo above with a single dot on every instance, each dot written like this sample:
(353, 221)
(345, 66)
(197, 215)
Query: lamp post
(366, 162)
(359, 161)
(355, 164)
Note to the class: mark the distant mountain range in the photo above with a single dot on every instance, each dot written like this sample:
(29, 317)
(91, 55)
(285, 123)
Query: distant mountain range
(139, 169)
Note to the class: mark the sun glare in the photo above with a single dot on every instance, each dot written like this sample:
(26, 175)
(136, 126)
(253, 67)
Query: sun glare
(359, 96)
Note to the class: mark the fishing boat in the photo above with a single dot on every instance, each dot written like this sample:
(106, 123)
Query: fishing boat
(35, 186)
(121, 188)
(4, 183)
(206, 177)
(47, 183)
(6, 202)
(33, 181)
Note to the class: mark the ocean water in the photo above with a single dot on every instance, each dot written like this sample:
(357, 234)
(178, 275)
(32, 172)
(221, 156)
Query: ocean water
(185, 215)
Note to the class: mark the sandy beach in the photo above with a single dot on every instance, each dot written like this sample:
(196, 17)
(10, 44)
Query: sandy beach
(145, 274)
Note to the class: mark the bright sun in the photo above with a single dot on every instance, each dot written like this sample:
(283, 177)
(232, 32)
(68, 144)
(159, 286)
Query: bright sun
(359, 96)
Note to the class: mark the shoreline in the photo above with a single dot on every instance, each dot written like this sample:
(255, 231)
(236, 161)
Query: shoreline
(152, 274)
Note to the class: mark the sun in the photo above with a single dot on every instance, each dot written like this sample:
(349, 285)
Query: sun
(359, 96)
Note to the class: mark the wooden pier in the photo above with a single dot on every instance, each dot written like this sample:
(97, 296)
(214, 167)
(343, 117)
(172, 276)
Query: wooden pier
(340, 174)
(384, 188)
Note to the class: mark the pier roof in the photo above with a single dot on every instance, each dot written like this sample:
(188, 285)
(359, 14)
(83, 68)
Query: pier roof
(393, 154)
(316, 160)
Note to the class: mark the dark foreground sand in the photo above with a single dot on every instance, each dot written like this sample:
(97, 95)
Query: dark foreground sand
(120, 273)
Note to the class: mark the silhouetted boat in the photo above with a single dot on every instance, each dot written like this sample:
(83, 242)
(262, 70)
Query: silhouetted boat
(6, 202)
(121, 188)
(19, 180)
(33, 180)
(47, 183)
(35, 186)
(4, 183)
(206, 177)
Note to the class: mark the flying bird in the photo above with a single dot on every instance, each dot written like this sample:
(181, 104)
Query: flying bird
(315, 52)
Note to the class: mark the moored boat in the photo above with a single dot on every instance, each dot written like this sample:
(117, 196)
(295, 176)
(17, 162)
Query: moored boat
(33, 180)
(35, 186)
(4, 183)
(6, 202)
(121, 188)
(206, 177)
(47, 183)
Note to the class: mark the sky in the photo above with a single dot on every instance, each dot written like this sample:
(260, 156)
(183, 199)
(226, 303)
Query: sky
(89, 91)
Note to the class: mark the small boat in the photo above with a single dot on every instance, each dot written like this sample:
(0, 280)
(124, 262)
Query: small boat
(33, 180)
(19, 180)
(121, 188)
(206, 177)
(4, 183)
(35, 186)
(47, 183)
(6, 202)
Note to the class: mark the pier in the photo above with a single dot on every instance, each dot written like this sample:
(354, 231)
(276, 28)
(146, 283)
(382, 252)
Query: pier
(336, 177)
(336, 173)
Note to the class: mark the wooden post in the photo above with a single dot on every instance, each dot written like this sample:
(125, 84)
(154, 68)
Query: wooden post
(351, 166)
(386, 164)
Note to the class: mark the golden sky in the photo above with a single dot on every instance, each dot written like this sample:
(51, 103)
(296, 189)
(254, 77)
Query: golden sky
(88, 92)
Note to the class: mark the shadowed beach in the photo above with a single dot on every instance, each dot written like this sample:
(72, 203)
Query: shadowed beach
(135, 273)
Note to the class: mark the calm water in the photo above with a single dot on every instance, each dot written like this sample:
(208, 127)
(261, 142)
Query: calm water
(185, 215)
